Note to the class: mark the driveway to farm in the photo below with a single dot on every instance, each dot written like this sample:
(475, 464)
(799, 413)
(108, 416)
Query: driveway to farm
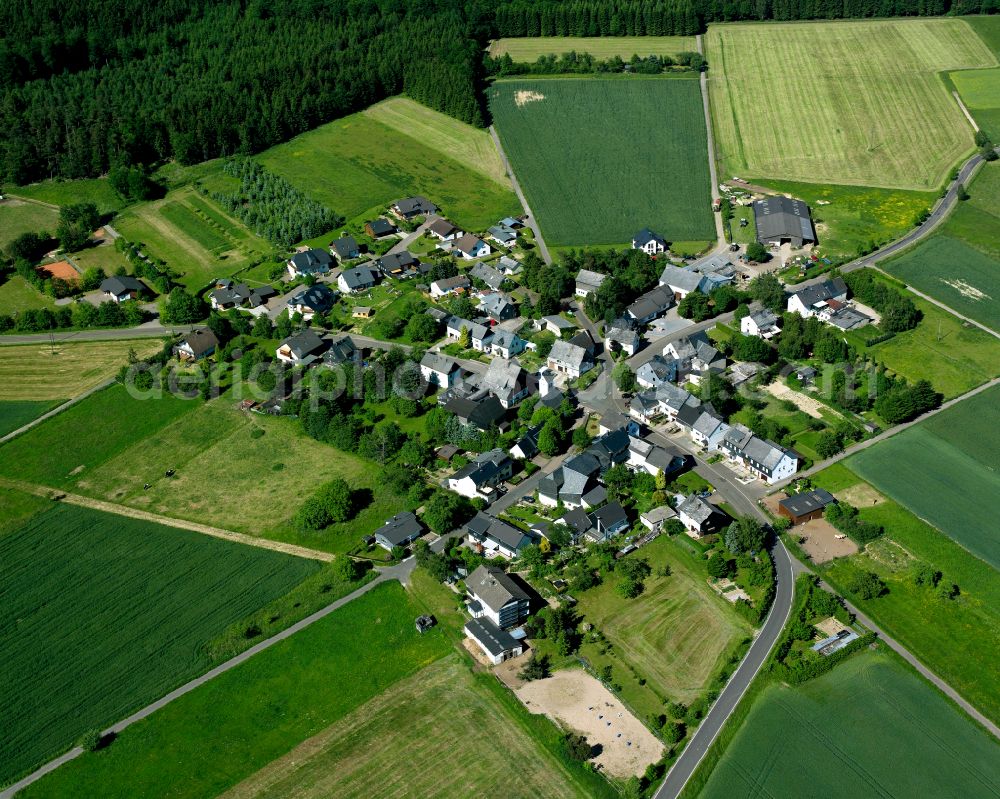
(720, 233)
(529, 217)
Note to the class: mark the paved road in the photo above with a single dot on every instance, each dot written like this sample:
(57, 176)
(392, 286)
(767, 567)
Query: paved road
(400, 572)
(720, 233)
(529, 217)
(409, 238)
(147, 330)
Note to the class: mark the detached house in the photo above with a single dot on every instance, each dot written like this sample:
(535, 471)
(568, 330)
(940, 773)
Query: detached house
(491, 537)
(302, 349)
(317, 299)
(486, 273)
(680, 281)
(197, 344)
(482, 410)
(496, 644)
(652, 458)
(345, 248)
(399, 265)
(695, 357)
(555, 324)
(507, 344)
(443, 230)
(438, 370)
(608, 521)
(400, 530)
(494, 595)
(569, 359)
(377, 228)
(526, 447)
(122, 288)
(698, 516)
(572, 484)
(470, 247)
(503, 235)
(656, 371)
(765, 459)
(242, 296)
(411, 207)
(449, 285)
(588, 282)
(307, 263)
(649, 242)
(480, 336)
(360, 278)
(651, 305)
(497, 306)
(622, 335)
(507, 381)
(814, 300)
(479, 479)
(762, 323)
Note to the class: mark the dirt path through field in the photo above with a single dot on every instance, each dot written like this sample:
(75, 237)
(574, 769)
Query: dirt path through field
(204, 529)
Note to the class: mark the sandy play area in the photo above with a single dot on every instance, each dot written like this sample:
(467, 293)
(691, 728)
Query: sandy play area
(803, 401)
(581, 703)
(821, 542)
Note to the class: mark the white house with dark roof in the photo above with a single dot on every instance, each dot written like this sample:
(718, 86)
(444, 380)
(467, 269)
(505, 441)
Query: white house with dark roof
(507, 265)
(649, 242)
(402, 529)
(680, 281)
(761, 323)
(310, 262)
(587, 282)
(502, 235)
(120, 288)
(479, 479)
(622, 335)
(495, 595)
(439, 370)
(199, 343)
(608, 521)
(507, 344)
(698, 516)
(657, 371)
(496, 645)
(766, 460)
(569, 359)
(399, 265)
(506, 381)
(708, 429)
(498, 306)
(361, 278)
(492, 537)
(449, 285)
(814, 300)
(486, 273)
(302, 349)
(646, 456)
(654, 519)
(651, 305)
(695, 357)
(555, 324)
(312, 300)
(410, 207)
(345, 248)
(443, 230)
(470, 247)
(480, 336)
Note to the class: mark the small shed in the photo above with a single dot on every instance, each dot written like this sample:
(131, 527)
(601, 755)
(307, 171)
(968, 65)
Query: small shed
(806, 506)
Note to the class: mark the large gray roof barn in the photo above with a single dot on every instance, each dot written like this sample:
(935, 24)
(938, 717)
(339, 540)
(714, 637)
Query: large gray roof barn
(780, 219)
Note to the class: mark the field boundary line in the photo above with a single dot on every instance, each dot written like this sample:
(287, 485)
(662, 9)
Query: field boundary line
(55, 411)
(532, 221)
(965, 111)
(168, 521)
(713, 173)
(177, 693)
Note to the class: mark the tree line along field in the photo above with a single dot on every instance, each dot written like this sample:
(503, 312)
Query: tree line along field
(63, 371)
(851, 102)
(600, 158)
(103, 614)
(530, 49)
(957, 638)
(870, 727)
(945, 470)
(960, 265)
(361, 163)
(193, 235)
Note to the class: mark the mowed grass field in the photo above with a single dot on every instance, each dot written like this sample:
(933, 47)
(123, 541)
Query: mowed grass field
(858, 103)
(227, 478)
(17, 294)
(66, 192)
(960, 265)
(63, 371)
(17, 413)
(946, 471)
(529, 49)
(957, 639)
(359, 164)
(235, 725)
(870, 727)
(193, 235)
(103, 614)
(19, 216)
(461, 740)
(601, 158)
(674, 634)
(980, 91)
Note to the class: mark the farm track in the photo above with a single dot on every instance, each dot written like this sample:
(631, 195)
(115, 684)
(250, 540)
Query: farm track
(133, 513)
(530, 217)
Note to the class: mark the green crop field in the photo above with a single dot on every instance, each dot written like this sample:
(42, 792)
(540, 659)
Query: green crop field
(105, 614)
(600, 158)
(16, 507)
(235, 725)
(980, 91)
(17, 413)
(868, 728)
(529, 49)
(360, 164)
(227, 478)
(193, 235)
(956, 638)
(61, 371)
(483, 736)
(857, 103)
(675, 634)
(66, 192)
(18, 216)
(952, 482)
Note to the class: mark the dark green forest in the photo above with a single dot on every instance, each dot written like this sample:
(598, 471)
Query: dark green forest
(88, 87)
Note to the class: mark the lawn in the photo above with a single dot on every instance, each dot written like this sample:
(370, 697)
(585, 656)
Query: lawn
(360, 164)
(952, 354)
(600, 158)
(19, 216)
(472, 147)
(17, 413)
(228, 478)
(193, 235)
(849, 217)
(945, 471)
(60, 371)
(105, 614)
(674, 635)
(870, 727)
(93, 431)
(66, 192)
(528, 50)
(957, 639)
(869, 106)
(17, 294)
(103, 256)
(445, 720)
(235, 725)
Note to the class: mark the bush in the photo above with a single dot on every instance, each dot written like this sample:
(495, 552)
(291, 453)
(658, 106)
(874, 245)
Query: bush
(90, 741)
(866, 585)
(537, 667)
(576, 747)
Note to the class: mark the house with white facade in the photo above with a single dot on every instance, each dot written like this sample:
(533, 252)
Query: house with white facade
(698, 516)
(449, 285)
(768, 461)
(587, 282)
(649, 242)
(492, 537)
(479, 479)
(569, 359)
(495, 595)
(507, 381)
(761, 323)
(814, 300)
(470, 247)
(439, 370)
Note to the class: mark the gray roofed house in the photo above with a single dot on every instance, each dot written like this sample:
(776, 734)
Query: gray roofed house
(526, 447)
(697, 515)
(410, 207)
(555, 324)
(498, 306)
(312, 300)
(480, 336)
(398, 264)
(709, 428)
(122, 287)
(507, 344)
(805, 506)
(507, 381)
(497, 645)
(846, 318)
(609, 520)
(644, 454)
(495, 537)
(587, 282)
(502, 235)
(439, 370)
(449, 285)
(512, 222)
(653, 519)
(569, 359)
(400, 530)
(342, 350)
(507, 265)
(695, 355)
(570, 482)
(782, 219)
(657, 371)
(765, 459)
(310, 262)
(762, 323)
(486, 273)
(649, 242)
(680, 281)
(622, 335)
(814, 299)
(499, 597)
(651, 305)
(302, 348)
(357, 279)
(470, 247)
(345, 248)
(479, 478)
(483, 412)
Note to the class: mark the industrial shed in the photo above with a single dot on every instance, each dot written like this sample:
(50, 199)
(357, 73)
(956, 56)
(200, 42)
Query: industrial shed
(782, 219)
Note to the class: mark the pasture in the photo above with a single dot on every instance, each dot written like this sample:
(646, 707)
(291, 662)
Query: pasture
(675, 634)
(471, 147)
(957, 639)
(593, 182)
(66, 192)
(945, 471)
(17, 294)
(851, 102)
(230, 728)
(869, 727)
(484, 744)
(62, 371)
(359, 164)
(528, 50)
(193, 235)
(19, 216)
(105, 614)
